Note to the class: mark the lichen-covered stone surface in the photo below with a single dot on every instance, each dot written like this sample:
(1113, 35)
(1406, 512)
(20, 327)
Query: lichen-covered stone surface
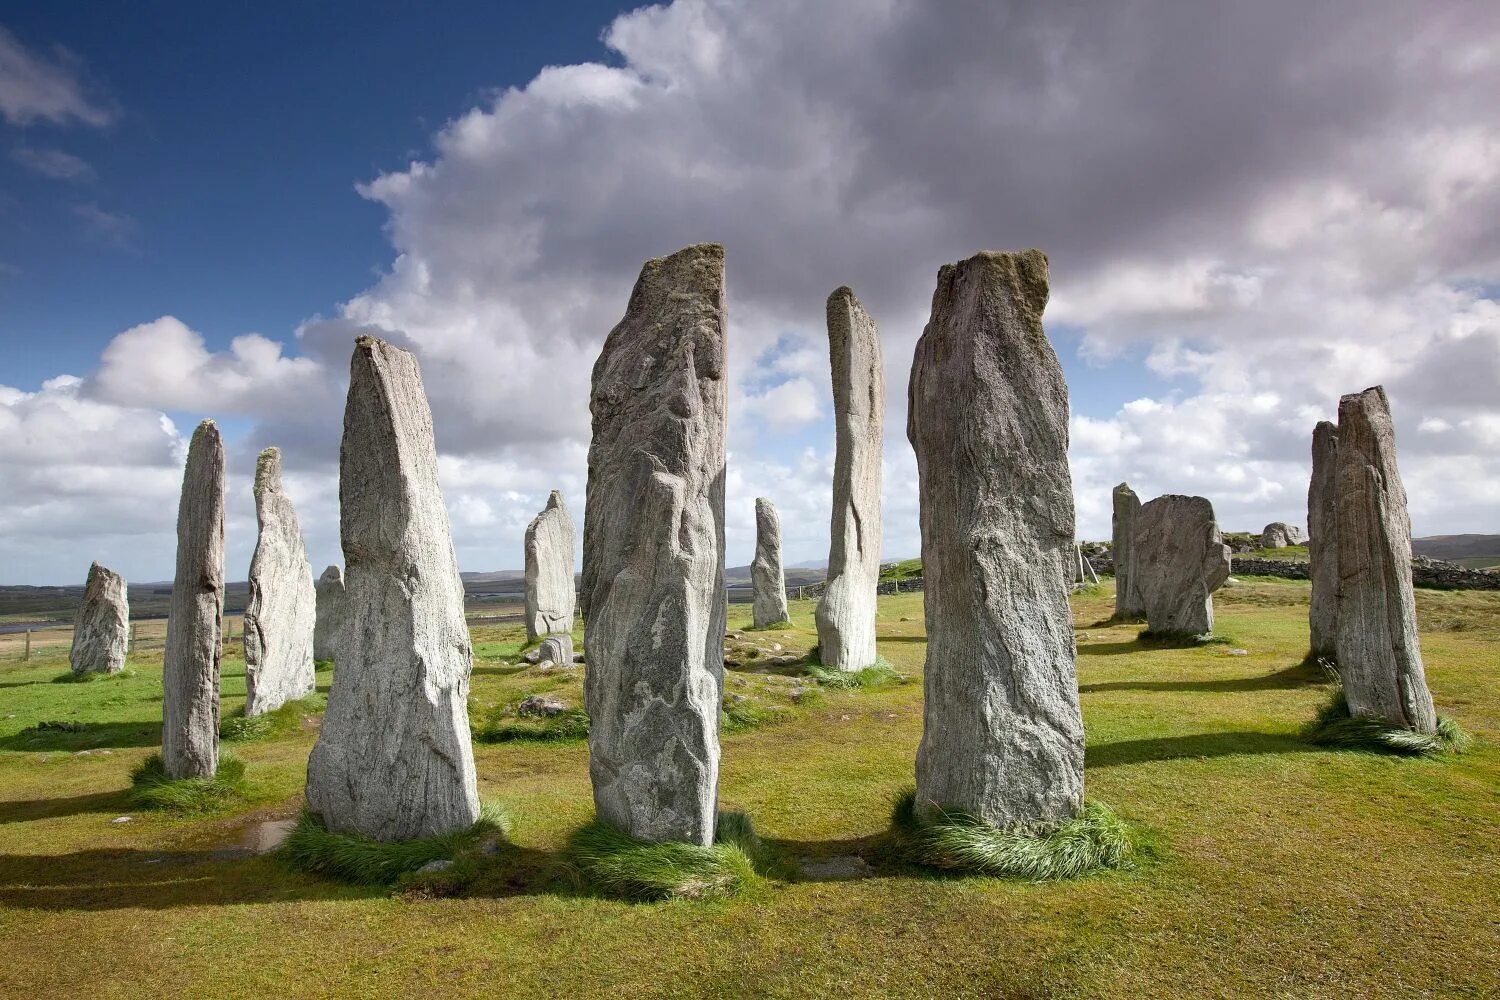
(987, 413)
(549, 570)
(328, 625)
(1322, 544)
(1379, 658)
(767, 581)
(1126, 506)
(846, 614)
(101, 630)
(190, 663)
(283, 605)
(653, 553)
(1178, 560)
(558, 649)
(393, 760)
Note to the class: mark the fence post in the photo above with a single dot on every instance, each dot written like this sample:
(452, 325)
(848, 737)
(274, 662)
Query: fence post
(28, 647)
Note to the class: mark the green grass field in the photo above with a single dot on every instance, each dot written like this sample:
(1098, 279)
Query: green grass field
(1282, 870)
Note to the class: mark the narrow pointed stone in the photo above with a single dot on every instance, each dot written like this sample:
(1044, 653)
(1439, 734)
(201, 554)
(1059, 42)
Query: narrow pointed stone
(653, 553)
(1178, 560)
(1126, 507)
(1322, 544)
(767, 581)
(332, 615)
(190, 664)
(279, 619)
(549, 570)
(1002, 734)
(1379, 657)
(101, 631)
(393, 760)
(845, 615)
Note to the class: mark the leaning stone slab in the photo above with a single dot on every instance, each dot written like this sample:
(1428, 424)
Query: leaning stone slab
(101, 631)
(767, 581)
(1180, 559)
(1002, 734)
(190, 664)
(1379, 658)
(393, 760)
(1322, 545)
(653, 553)
(283, 605)
(328, 624)
(845, 616)
(1126, 508)
(549, 570)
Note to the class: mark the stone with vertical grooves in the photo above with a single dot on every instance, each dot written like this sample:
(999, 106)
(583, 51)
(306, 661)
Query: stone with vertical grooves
(190, 664)
(557, 648)
(1126, 506)
(767, 581)
(278, 627)
(1379, 658)
(1322, 544)
(653, 553)
(549, 570)
(101, 630)
(1002, 734)
(393, 760)
(1178, 560)
(331, 617)
(845, 615)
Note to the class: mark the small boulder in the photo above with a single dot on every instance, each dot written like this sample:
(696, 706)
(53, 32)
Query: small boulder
(540, 707)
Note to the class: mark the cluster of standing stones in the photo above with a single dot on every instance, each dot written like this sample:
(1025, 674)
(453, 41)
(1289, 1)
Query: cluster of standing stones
(987, 412)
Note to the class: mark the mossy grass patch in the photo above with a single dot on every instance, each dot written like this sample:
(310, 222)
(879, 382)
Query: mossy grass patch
(1182, 640)
(284, 721)
(348, 857)
(745, 715)
(782, 626)
(878, 674)
(1336, 728)
(617, 864)
(90, 676)
(152, 788)
(571, 726)
(1093, 841)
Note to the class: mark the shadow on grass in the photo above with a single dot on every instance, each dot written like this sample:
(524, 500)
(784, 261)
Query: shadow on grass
(1196, 746)
(501, 670)
(83, 736)
(72, 805)
(1298, 675)
(1110, 648)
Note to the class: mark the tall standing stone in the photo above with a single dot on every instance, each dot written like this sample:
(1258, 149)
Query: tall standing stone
(393, 760)
(279, 620)
(1322, 545)
(1378, 655)
(190, 664)
(846, 614)
(767, 581)
(1002, 734)
(549, 570)
(1126, 507)
(101, 631)
(1178, 560)
(332, 615)
(653, 553)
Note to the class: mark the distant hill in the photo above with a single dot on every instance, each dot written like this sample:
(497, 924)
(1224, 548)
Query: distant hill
(1474, 551)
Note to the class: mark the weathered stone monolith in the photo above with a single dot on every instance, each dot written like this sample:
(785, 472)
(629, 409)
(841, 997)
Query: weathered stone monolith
(1179, 560)
(1322, 544)
(1378, 655)
(1279, 534)
(549, 570)
(556, 648)
(332, 616)
(845, 615)
(393, 760)
(1126, 506)
(987, 413)
(278, 627)
(653, 553)
(190, 664)
(101, 631)
(767, 581)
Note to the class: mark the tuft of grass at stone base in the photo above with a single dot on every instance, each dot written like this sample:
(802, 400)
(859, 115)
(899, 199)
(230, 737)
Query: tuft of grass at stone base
(311, 847)
(621, 865)
(1335, 727)
(151, 788)
(284, 721)
(566, 727)
(878, 674)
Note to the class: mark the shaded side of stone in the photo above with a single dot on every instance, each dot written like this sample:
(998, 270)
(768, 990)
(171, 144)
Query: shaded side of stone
(1322, 545)
(330, 620)
(1179, 560)
(279, 619)
(1126, 506)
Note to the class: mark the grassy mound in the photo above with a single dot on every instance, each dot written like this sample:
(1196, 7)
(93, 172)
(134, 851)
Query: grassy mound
(878, 674)
(782, 625)
(1095, 840)
(565, 727)
(1335, 727)
(352, 858)
(90, 676)
(621, 865)
(284, 721)
(151, 788)
(743, 716)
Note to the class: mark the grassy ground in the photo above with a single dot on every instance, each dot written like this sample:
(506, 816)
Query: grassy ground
(1285, 871)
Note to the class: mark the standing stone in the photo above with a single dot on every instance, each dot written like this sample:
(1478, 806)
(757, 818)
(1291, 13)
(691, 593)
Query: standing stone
(393, 760)
(190, 664)
(1279, 535)
(1127, 506)
(1378, 655)
(558, 649)
(846, 614)
(332, 615)
(1322, 545)
(101, 632)
(1002, 734)
(278, 626)
(1179, 560)
(549, 570)
(767, 581)
(653, 553)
